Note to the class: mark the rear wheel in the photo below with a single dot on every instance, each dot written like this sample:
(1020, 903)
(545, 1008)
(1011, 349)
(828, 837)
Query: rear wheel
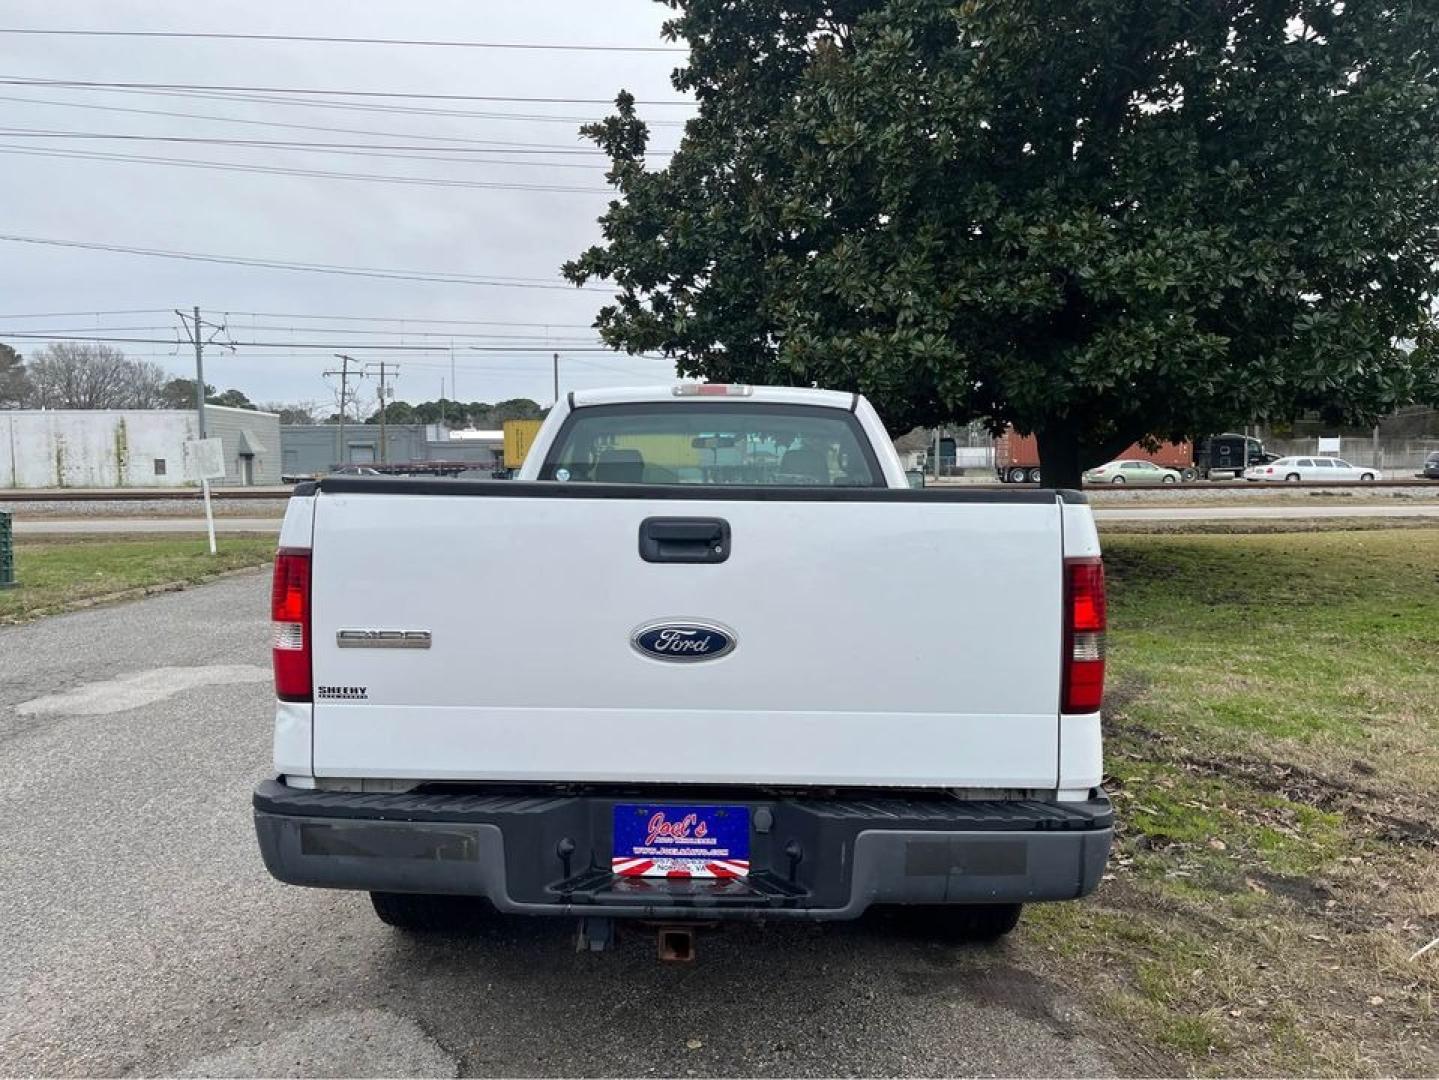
(1292, 478)
(1117, 480)
(1190, 475)
(428, 912)
(1169, 478)
(1367, 477)
(1016, 476)
(1034, 476)
(963, 922)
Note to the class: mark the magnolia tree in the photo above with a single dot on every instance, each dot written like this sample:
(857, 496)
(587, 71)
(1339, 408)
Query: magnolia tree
(1096, 220)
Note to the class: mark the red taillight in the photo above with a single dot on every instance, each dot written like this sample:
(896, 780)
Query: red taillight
(1269, 470)
(290, 614)
(1085, 619)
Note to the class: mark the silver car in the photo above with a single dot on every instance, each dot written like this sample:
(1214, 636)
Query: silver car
(1129, 471)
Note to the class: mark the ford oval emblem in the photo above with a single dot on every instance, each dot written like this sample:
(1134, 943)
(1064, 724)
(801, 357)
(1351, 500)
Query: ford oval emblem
(683, 642)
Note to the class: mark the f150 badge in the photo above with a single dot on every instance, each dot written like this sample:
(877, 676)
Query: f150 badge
(683, 642)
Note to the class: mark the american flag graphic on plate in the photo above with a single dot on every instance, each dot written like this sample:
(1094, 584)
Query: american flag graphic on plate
(665, 840)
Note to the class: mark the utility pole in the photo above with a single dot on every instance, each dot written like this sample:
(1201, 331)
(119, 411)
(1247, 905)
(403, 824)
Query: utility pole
(383, 366)
(344, 374)
(196, 328)
(199, 373)
(557, 378)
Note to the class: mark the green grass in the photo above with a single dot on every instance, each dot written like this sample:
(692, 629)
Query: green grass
(1274, 710)
(55, 575)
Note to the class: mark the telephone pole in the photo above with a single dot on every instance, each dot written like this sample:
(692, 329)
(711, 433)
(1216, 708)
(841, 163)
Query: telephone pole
(557, 378)
(199, 372)
(195, 327)
(383, 366)
(344, 374)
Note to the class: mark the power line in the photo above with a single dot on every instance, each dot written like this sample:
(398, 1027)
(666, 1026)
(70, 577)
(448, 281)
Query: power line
(398, 337)
(317, 268)
(544, 348)
(356, 106)
(78, 314)
(423, 320)
(317, 92)
(389, 318)
(328, 40)
(314, 174)
(372, 150)
(495, 144)
(286, 144)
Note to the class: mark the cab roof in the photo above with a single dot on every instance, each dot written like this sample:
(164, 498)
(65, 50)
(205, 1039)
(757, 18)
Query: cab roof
(778, 395)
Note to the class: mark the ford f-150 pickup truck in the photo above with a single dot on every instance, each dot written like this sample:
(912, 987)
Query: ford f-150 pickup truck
(707, 657)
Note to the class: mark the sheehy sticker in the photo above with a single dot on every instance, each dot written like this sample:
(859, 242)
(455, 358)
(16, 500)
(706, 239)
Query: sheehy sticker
(562, 475)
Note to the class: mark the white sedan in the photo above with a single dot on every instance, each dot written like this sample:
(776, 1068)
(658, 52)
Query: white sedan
(1131, 472)
(1328, 470)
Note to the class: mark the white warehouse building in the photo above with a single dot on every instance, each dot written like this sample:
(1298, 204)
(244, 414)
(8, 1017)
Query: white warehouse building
(74, 448)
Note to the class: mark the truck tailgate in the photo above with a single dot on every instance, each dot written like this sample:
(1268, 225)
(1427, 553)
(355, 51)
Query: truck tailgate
(906, 641)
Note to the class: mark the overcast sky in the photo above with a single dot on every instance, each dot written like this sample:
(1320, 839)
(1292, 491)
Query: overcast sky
(474, 231)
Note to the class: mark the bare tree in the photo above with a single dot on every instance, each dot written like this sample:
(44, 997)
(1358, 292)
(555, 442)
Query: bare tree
(294, 412)
(75, 375)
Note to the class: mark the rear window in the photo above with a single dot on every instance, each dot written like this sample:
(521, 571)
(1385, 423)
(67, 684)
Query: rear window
(712, 442)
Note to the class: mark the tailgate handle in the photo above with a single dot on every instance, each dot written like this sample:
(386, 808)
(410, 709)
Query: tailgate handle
(684, 540)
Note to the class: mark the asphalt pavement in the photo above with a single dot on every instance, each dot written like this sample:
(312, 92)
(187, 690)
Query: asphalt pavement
(141, 934)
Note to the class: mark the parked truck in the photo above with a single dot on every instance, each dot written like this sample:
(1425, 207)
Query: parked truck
(726, 686)
(1016, 457)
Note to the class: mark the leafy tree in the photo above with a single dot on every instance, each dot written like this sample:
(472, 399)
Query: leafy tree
(76, 375)
(512, 409)
(395, 412)
(1099, 220)
(233, 399)
(458, 414)
(180, 394)
(15, 389)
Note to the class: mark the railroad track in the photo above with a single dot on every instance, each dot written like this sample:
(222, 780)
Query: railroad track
(17, 495)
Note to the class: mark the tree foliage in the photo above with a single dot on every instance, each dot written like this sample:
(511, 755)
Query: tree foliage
(15, 390)
(180, 394)
(233, 399)
(1098, 220)
(458, 414)
(76, 375)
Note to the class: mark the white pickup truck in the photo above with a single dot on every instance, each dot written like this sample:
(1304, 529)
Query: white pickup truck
(707, 657)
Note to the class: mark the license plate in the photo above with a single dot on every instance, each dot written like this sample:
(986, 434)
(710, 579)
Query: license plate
(665, 840)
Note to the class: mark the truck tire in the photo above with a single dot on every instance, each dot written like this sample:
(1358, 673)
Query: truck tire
(1034, 476)
(1190, 475)
(428, 912)
(1016, 476)
(963, 922)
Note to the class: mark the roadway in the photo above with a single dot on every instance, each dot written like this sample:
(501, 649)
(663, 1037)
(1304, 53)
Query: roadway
(142, 935)
(106, 525)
